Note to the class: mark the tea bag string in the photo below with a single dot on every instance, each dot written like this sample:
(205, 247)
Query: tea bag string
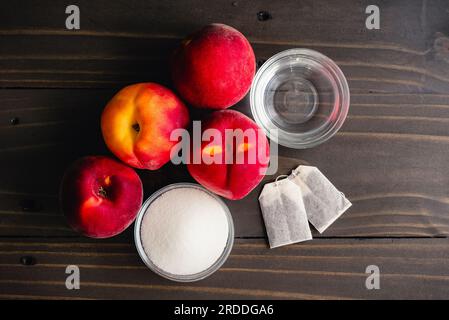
(295, 172)
(282, 176)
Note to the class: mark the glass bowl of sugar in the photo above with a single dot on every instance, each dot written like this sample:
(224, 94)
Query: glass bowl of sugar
(183, 232)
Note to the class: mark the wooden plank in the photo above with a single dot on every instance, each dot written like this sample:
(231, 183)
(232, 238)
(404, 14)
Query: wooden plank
(390, 159)
(406, 21)
(131, 41)
(321, 269)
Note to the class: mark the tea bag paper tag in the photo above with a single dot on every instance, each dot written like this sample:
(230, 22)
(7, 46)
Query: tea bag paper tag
(284, 213)
(323, 202)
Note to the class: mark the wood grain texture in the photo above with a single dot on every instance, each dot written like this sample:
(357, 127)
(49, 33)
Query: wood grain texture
(130, 41)
(390, 157)
(322, 269)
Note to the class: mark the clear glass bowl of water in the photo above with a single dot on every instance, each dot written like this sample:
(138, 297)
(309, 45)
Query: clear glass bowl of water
(300, 98)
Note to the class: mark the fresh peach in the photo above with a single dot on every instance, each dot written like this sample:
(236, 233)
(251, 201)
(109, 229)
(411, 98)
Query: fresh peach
(214, 68)
(100, 196)
(230, 167)
(137, 123)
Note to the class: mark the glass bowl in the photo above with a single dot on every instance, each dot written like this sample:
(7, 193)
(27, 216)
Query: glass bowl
(175, 277)
(300, 98)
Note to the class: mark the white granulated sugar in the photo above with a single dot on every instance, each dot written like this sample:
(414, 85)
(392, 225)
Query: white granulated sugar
(184, 231)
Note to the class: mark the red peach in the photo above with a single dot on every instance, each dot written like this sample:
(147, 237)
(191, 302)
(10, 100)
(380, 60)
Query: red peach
(100, 196)
(236, 178)
(137, 123)
(214, 68)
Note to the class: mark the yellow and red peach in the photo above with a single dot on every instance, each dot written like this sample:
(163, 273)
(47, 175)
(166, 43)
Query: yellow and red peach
(230, 168)
(137, 123)
(214, 68)
(100, 196)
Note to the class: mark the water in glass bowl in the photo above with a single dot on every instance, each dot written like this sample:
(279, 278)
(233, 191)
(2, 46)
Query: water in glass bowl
(303, 95)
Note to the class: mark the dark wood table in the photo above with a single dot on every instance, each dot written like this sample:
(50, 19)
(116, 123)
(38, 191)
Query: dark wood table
(390, 158)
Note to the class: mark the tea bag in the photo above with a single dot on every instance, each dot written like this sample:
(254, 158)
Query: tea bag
(322, 201)
(284, 213)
